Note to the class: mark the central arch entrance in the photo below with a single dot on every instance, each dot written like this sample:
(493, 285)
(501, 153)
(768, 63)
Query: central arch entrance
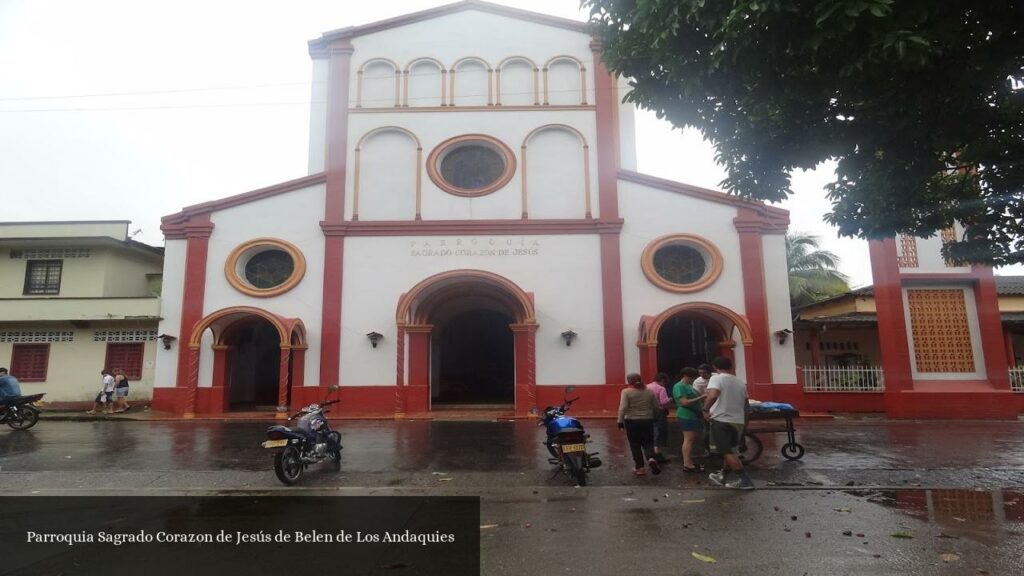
(689, 334)
(467, 337)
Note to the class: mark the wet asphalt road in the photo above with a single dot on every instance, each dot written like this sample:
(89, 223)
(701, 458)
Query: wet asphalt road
(956, 488)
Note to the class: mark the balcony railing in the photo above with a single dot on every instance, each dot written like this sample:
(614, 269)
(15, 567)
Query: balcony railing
(843, 379)
(1017, 379)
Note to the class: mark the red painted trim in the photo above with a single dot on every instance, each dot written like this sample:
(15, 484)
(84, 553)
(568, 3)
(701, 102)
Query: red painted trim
(417, 393)
(758, 358)
(283, 376)
(526, 367)
(173, 224)
(330, 318)
(221, 375)
(775, 219)
(990, 324)
(193, 299)
(470, 227)
(316, 47)
(611, 301)
(607, 144)
(892, 328)
(298, 369)
(648, 361)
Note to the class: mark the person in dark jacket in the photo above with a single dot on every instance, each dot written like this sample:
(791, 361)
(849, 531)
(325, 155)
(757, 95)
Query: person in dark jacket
(637, 410)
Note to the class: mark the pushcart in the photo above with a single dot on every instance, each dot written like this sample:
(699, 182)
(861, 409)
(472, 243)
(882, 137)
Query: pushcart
(782, 421)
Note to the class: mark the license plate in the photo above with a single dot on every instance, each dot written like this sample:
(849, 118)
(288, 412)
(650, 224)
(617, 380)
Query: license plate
(574, 448)
(275, 443)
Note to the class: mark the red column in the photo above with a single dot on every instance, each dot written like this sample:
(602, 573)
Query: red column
(191, 381)
(892, 327)
(759, 360)
(298, 367)
(336, 166)
(526, 367)
(606, 107)
(400, 400)
(648, 361)
(221, 366)
(990, 323)
(197, 233)
(418, 392)
(283, 379)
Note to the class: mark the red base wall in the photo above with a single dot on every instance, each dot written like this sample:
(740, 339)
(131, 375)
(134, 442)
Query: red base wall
(168, 400)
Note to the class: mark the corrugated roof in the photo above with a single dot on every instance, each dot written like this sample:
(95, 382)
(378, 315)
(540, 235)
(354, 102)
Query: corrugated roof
(1009, 285)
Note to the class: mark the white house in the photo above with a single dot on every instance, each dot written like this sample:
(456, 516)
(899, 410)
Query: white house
(472, 231)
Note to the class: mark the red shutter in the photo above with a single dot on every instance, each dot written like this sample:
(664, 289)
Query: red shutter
(127, 357)
(29, 362)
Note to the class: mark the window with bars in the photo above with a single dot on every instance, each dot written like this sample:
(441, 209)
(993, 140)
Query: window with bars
(127, 357)
(43, 276)
(29, 362)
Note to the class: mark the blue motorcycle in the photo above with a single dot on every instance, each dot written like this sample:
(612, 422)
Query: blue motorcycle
(567, 441)
(309, 442)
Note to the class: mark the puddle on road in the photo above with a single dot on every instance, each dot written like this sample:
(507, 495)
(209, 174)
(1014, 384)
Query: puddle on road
(981, 515)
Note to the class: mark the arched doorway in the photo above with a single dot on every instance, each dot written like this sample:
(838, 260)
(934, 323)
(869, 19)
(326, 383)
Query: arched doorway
(687, 339)
(469, 337)
(689, 334)
(258, 357)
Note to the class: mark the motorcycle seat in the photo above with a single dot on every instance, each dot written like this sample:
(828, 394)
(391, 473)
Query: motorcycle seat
(17, 400)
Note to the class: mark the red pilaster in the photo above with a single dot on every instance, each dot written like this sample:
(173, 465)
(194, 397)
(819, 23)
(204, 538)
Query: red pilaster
(336, 166)
(892, 327)
(400, 407)
(526, 367)
(197, 233)
(218, 400)
(283, 379)
(607, 114)
(990, 323)
(417, 394)
(648, 361)
(750, 225)
(298, 369)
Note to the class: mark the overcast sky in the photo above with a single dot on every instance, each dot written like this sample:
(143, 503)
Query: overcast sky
(133, 109)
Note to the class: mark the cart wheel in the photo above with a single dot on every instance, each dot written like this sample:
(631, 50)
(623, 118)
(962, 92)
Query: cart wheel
(750, 448)
(792, 451)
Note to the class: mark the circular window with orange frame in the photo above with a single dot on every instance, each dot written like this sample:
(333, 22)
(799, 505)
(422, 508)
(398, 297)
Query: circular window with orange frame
(682, 263)
(265, 267)
(471, 165)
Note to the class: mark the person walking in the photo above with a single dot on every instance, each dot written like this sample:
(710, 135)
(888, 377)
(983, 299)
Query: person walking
(120, 391)
(104, 400)
(637, 409)
(727, 406)
(690, 415)
(660, 390)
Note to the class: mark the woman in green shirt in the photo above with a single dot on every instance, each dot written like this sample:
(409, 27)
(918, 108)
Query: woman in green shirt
(689, 413)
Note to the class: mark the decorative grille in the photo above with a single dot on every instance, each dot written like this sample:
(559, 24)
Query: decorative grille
(942, 338)
(124, 335)
(36, 336)
(49, 253)
(29, 362)
(907, 255)
(948, 235)
(127, 358)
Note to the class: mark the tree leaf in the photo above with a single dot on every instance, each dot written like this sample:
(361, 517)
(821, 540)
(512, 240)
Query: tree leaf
(901, 535)
(703, 558)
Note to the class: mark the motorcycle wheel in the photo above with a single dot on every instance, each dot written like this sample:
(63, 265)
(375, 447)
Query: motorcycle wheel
(23, 418)
(288, 465)
(334, 438)
(577, 473)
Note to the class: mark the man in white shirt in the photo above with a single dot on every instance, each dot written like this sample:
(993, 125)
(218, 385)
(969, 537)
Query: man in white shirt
(727, 406)
(704, 373)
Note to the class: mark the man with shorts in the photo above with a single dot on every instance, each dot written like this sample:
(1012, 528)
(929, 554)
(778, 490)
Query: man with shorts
(727, 407)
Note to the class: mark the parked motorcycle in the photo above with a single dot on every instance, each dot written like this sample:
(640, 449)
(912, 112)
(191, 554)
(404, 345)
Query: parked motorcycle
(19, 413)
(567, 441)
(310, 441)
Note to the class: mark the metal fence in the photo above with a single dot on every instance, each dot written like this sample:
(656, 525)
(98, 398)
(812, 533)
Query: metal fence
(843, 379)
(1017, 379)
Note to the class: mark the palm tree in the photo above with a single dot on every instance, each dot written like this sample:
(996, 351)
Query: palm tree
(813, 273)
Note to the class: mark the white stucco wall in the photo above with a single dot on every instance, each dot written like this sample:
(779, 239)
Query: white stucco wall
(564, 277)
(651, 213)
(170, 313)
(972, 323)
(293, 217)
(433, 128)
(318, 117)
(776, 275)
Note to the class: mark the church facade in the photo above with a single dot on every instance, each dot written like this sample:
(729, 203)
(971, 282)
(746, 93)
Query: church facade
(472, 231)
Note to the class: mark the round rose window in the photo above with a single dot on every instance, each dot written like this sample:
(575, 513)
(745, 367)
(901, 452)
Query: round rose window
(682, 263)
(265, 267)
(471, 165)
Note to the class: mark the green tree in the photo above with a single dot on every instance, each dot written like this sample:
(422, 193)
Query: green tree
(918, 101)
(813, 273)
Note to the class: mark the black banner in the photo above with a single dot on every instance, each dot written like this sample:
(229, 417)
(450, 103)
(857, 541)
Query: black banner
(227, 535)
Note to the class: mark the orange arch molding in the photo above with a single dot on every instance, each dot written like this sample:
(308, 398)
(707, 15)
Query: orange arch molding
(525, 314)
(650, 337)
(285, 326)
